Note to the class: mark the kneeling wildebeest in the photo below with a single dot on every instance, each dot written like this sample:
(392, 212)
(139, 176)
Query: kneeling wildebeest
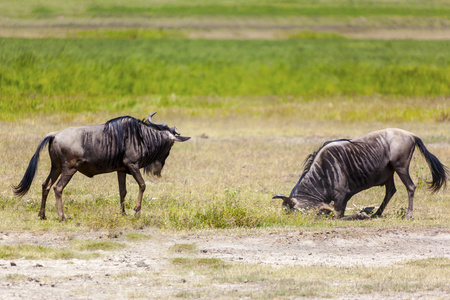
(342, 168)
(123, 145)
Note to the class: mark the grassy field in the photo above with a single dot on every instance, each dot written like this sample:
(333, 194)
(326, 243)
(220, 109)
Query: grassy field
(223, 178)
(116, 75)
(235, 19)
(255, 108)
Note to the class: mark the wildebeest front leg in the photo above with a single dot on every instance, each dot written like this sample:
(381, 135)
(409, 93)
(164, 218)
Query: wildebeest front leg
(122, 190)
(141, 182)
(390, 191)
(54, 174)
(340, 205)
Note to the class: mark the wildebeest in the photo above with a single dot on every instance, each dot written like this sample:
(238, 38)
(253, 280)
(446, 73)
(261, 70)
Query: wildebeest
(342, 168)
(123, 145)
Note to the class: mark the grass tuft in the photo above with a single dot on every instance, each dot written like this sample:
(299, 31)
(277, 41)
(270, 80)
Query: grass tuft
(183, 248)
(199, 263)
(89, 245)
(137, 236)
(40, 252)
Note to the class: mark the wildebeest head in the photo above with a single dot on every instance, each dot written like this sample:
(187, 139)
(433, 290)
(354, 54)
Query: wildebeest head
(293, 204)
(156, 166)
(289, 204)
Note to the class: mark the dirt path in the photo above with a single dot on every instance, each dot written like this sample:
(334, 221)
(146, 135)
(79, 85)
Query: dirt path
(225, 28)
(248, 34)
(146, 264)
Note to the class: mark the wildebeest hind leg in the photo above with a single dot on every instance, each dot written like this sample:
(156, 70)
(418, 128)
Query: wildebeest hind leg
(410, 188)
(122, 190)
(390, 191)
(54, 174)
(59, 187)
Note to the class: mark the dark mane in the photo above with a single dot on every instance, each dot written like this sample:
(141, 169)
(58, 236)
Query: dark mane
(133, 121)
(307, 163)
(128, 127)
(118, 119)
(122, 131)
(120, 128)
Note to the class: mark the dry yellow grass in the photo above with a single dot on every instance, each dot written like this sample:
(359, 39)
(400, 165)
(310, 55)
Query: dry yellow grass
(232, 166)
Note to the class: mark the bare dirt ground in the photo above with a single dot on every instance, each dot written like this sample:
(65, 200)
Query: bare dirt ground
(249, 34)
(228, 28)
(145, 265)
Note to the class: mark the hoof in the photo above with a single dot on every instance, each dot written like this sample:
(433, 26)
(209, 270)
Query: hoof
(358, 216)
(368, 210)
(375, 216)
(42, 217)
(137, 213)
(363, 216)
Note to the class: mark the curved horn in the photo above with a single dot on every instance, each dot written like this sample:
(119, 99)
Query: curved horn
(150, 119)
(162, 126)
(280, 196)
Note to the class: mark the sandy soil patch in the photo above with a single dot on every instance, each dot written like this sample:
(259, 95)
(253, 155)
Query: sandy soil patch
(226, 28)
(123, 273)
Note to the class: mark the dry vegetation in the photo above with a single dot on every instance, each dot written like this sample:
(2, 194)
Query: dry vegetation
(223, 178)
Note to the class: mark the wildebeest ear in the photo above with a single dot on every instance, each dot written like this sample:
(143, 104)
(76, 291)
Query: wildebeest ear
(180, 138)
(174, 131)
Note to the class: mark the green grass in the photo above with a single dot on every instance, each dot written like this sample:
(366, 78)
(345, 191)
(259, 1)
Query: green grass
(270, 9)
(48, 75)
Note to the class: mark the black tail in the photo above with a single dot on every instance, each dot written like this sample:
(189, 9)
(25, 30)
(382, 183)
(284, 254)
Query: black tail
(22, 188)
(439, 172)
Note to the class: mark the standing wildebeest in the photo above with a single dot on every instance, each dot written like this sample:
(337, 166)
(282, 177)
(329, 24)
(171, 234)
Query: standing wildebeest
(342, 168)
(123, 145)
